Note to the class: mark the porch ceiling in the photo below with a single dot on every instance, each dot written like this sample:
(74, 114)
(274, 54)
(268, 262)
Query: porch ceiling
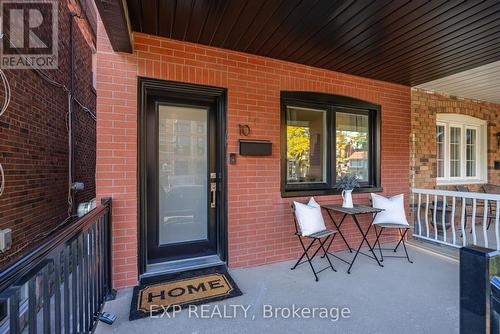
(406, 42)
(480, 83)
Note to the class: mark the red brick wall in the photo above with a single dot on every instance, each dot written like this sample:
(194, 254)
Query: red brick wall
(260, 223)
(33, 144)
(424, 107)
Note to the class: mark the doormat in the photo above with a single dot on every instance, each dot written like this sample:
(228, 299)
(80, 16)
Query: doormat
(174, 291)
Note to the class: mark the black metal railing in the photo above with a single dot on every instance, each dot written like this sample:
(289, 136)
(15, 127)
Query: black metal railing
(61, 286)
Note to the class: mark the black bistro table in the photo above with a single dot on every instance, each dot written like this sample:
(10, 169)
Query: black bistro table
(353, 212)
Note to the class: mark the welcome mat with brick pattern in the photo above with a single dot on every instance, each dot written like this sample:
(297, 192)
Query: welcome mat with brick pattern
(195, 287)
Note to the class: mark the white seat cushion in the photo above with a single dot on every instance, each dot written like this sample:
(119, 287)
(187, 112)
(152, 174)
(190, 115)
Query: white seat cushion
(309, 217)
(394, 210)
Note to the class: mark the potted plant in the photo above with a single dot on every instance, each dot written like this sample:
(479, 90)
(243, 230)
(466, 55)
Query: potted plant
(347, 183)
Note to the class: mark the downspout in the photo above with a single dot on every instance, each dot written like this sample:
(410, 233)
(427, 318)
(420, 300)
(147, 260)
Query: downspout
(71, 124)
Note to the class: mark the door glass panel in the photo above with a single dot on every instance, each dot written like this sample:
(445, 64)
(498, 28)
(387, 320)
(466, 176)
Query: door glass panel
(183, 174)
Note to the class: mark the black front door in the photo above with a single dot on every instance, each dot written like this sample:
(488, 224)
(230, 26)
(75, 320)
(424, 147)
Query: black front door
(182, 177)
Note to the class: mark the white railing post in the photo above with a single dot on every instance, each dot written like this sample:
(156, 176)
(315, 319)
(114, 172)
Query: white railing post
(443, 218)
(418, 213)
(452, 217)
(463, 220)
(434, 218)
(427, 215)
(485, 223)
(473, 220)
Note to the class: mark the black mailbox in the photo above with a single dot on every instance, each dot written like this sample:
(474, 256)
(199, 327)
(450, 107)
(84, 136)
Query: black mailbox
(256, 147)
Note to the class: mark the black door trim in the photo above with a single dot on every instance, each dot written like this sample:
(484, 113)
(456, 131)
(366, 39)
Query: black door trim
(149, 88)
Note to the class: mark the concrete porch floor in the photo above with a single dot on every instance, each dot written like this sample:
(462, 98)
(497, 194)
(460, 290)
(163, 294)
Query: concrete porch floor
(421, 297)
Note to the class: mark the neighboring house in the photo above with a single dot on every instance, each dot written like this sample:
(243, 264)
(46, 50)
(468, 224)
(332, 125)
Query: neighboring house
(358, 164)
(34, 148)
(455, 141)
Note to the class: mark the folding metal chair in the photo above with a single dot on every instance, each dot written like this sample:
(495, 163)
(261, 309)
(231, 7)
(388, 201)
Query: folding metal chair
(321, 238)
(402, 230)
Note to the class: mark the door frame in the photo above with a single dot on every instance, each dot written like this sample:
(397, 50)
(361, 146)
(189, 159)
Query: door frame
(150, 88)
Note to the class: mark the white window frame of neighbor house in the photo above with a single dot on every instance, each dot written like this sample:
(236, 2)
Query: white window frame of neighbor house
(464, 123)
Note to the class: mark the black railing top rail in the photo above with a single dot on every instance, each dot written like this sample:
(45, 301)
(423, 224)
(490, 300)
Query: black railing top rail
(21, 268)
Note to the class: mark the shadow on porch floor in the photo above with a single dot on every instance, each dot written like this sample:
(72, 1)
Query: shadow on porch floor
(421, 297)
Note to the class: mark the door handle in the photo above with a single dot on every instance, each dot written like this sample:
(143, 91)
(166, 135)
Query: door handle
(213, 194)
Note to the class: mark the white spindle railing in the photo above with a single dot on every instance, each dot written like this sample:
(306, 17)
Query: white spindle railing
(434, 218)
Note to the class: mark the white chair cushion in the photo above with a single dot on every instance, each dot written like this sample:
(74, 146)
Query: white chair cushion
(394, 210)
(309, 217)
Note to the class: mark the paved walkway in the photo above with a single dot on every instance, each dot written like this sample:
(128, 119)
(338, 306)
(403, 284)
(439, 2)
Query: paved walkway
(421, 297)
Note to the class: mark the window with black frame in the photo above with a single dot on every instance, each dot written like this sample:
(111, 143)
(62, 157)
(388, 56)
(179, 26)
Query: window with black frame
(324, 137)
(306, 145)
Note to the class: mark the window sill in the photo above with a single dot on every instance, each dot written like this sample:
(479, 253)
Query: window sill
(327, 192)
(459, 182)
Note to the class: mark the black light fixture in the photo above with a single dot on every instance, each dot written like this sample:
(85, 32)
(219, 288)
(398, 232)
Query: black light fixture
(498, 139)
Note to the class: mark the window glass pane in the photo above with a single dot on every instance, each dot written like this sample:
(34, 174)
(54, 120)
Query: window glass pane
(352, 145)
(455, 140)
(440, 150)
(306, 145)
(470, 149)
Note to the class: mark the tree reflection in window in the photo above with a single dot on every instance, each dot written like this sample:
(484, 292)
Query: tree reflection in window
(352, 145)
(306, 145)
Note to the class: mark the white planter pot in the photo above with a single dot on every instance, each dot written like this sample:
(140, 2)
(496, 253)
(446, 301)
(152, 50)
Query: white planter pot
(347, 198)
